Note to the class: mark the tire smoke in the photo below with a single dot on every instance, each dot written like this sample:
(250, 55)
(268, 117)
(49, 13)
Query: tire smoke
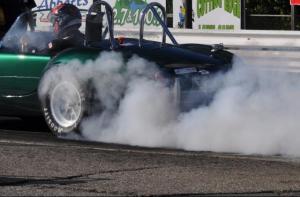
(254, 110)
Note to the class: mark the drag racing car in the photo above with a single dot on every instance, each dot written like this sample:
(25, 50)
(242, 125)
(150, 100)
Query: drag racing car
(25, 61)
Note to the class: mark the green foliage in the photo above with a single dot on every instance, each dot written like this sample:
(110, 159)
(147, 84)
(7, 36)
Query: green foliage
(279, 7)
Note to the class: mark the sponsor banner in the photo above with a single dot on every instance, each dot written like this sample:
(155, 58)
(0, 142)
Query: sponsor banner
(126, 12)
(48, 4)
(179, 13)
(43, 16)
(209, 14)
(295, 2)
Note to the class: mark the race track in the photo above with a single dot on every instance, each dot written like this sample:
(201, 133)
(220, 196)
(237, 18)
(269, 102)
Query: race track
(35, 163)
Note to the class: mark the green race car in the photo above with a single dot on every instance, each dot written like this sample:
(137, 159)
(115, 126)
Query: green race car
(25, 61)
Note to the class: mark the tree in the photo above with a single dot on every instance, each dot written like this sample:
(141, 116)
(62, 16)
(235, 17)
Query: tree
(272, 7)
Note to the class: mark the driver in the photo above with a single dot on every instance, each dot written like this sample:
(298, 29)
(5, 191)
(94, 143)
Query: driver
(66, 20)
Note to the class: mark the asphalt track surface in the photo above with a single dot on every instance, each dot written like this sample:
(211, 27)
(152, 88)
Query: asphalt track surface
(34, 163)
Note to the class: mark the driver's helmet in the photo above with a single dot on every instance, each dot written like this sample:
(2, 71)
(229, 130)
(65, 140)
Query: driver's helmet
(65, 15)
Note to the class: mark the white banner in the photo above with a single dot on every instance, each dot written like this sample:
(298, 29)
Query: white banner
(179, 13)
(48, 4)
(127, 12)
(209, 14)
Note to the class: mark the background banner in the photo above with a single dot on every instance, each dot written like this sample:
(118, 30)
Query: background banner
(127, 12)
(295, 2)
(209, 14)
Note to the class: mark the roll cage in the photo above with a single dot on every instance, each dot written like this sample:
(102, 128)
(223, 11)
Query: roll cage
(163, 23)
(154, 6)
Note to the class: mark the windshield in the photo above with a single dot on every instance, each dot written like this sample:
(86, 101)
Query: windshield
(31, 32)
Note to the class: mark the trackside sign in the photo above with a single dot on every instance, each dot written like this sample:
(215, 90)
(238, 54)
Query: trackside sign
(126, 12)
(295, 2)
(210, 14)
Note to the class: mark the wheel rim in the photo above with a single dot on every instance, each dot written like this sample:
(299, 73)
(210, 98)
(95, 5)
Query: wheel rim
(65, 103)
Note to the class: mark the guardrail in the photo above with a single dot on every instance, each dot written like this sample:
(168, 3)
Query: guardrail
(239, 40)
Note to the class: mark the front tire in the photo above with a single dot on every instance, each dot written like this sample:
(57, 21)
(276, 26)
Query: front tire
(63, 107)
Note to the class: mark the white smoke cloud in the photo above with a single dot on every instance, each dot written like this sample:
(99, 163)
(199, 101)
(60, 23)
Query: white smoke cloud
(253, 112)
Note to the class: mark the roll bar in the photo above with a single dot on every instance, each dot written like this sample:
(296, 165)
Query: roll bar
(151, 6)
(163, 23)
(110, 19)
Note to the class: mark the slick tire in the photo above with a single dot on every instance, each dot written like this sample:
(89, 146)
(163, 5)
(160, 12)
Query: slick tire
(64, 106)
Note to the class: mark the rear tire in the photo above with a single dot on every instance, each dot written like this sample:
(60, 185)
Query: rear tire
(64, 107)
